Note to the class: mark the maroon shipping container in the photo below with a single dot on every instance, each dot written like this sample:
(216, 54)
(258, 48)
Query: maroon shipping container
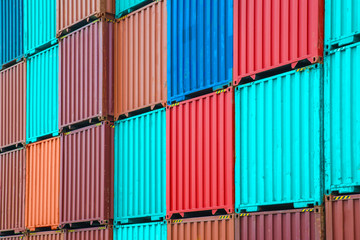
(87, 175)
(16, 237)
(12, 191)
(342, 217)
(99, 233)
(270, 34)
(200, 154)
(86, 74)
(13, 106)
(50, 235)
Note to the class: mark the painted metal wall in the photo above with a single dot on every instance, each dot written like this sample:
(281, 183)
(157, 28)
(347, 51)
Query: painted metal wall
(13, 105)
(39, 23)
(278, 124)
(140, 59)
(200, 178)
(12, 191)
(16, 237)
(149, 231)
(342, 120)
(98, 233)
(12, 30)
(49, 235)
(124, 7)
(42, 94)
(275, 33)
(200, 46)
(87, 175)
(42, 184)
(140, 166)
(86, 74)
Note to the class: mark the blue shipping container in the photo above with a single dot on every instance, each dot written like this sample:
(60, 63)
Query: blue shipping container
(42, 107)
(124, 7)
(200, 46)
(278, 137)
(342, 120)
(140, 167)
(11, 31)
(148, 231)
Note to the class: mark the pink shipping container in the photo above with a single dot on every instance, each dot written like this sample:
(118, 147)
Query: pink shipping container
(342, 217)
(86, 74)
(275, 33)
(12, 191)
(49, 235)
(13, 106)
(200, 154)
(98, 233)
(87, 175)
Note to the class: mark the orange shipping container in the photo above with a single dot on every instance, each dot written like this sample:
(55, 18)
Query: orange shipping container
(42, 184)
(140, 59)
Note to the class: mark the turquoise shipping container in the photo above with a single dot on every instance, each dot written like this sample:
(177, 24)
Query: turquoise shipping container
(124, 7)
(278, 136)
(42, 108)
(148, 231)
(140, 167)
(342, 22)
(342, 120)
(39, 25)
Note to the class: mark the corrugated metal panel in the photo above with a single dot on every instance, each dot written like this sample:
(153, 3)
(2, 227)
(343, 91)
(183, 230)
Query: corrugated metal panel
(39, 23)
(304, 224)
(140, 59)
(200, 46)
(12, 191)
(140, 166)
(148, 231)
(71, 12)
(278, 124)
(86, 74)
(124, 7)
(342, 20)
(42, 94)
(274, 33)
(201, 178)
(87, 175)
(209, 228)
(50, 235)
(17, 237)
(12, 30)
(13, 105)
(342, 120)
(42, 184)
(342, 217)
(99, 233)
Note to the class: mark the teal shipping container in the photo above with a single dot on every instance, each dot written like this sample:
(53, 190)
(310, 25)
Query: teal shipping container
(42, 109)
(342, 22)
(140, 167)
(39, 25)
(342, 120)
(148, 231)
(278, 137)
(124, 7)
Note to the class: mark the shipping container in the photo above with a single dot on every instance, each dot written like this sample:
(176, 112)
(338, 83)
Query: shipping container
(209, 228)
(140, 59)
(97, 233)
(123, 7)
(140, 167)
(200, 46)
(49, 235)
(42, 95)
(86, 74)
(276, 33)
(342, 217)
(200, 154)
(278, 146)
(39, 25)
(74, 13)
(15, 237)
(12, 191)
(42, 184)
(87, 175)
(304, 224)
(342, 120)
(148, 231)
(342, 22)
(12, 31)
(13, 106)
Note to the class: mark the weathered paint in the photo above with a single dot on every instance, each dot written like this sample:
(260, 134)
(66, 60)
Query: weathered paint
(48, 235)
(97, 233)
(16, 237)
(123, 7)
(148, 231)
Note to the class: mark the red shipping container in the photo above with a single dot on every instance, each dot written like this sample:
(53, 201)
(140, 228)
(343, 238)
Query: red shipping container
(98, 233)
(49, 235)
(274, 33)
(16, 237)
(342, 217)
(87, 175)
(12, 191)
(200, 154)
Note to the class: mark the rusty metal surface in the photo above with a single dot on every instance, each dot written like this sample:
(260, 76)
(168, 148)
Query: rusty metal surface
(48, 235)
(98, 233)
